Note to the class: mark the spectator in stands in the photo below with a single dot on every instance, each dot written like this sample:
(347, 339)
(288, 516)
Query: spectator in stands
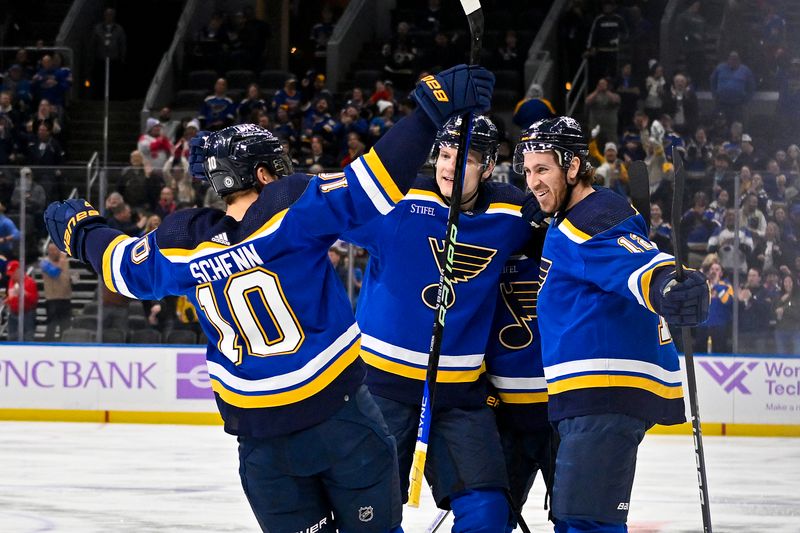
(116, 309)
(153, 145)
(50, 83)
(9, 235)
(508, 56)
(152, 222)
(690, 29)
(780, 196)
(20, 88)
(350, 121)
(751, 217)
(607, 34)
(7, 109)
(108, 40)
(284, 128)
(602, 105)
(243, 46)
(35, 197)
(21, 285)
(720, 175)
(793, 159)
(785, 229)
(251, 104)
(612, 171)
(441, 53)
(768, 252)
(138, 184)
(699, 151)
(433, 18)
(320, 34)
(720, 206)
(400, 55)
(680, 102)
(45, 151)
(787, 316)
(382, 121)
(177, 178)
(8, 145)
(642, 43)
(717, 328)
(57, 282)
(166, 203)
(317, 155)
(218, 110)
(748, 155)
(288, 97)
(732, 85)
(660, 229)
(755, 310)
(355, 149)
(318, 121)
(655, 88)
(757, 188)
(384, 90)
(189, 131)
(211, 43)
(112, 200)
(313, 87)
(722, 242)
(122, 220)
(696, 228)
(627, 86)
(45, 114)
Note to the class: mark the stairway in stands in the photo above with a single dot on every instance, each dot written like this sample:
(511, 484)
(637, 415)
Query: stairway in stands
(86, 130)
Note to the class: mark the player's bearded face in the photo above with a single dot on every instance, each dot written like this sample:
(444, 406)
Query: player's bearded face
(446, 171)
(545, 177)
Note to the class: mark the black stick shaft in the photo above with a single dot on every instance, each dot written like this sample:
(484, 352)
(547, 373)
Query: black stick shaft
(691, 385)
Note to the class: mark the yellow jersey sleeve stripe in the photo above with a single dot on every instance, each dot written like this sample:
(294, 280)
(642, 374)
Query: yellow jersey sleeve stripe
(211, 247)
(504, 205)
(108, 276)
(613, 380)
(573, 233)
(523, 397)
(646, 279)
(292, 396)
(382, 175)
(412, 372)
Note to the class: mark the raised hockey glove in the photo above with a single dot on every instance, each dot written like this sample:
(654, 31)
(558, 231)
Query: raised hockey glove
(67, 223)
(454, 92)
(532, 212)
(197, 154)
(685, 303)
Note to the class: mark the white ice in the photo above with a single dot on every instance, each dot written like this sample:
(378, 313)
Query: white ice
(87, 478)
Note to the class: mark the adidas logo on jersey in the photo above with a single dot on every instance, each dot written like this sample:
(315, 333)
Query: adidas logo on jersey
(222, 238)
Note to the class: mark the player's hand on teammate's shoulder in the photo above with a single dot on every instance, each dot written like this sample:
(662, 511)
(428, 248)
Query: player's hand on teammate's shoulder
(197, 153)
(532, 212)
(455, 91)
(685, 303)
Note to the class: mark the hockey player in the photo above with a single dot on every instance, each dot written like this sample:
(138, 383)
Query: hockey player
(283, 342)
(606, 297)
(395, 312)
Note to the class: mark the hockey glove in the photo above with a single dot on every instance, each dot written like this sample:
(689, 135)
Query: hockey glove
(67, 223)
(197, 154)
(455, 91)
(531, 211)
(685, 303)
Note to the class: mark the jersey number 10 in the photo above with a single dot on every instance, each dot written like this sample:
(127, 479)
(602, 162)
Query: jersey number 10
(239, 291)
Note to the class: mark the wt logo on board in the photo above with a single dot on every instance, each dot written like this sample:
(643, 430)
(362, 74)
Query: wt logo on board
(730, 376)
(193, 382)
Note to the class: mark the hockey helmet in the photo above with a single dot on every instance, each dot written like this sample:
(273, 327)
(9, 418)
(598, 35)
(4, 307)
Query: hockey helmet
(484, 138)
(562, 135)
(234, 153)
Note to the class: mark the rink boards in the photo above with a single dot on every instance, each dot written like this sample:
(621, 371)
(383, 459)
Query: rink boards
(739, 395)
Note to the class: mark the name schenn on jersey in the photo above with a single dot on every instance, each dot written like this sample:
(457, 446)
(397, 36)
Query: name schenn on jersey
(224, 265)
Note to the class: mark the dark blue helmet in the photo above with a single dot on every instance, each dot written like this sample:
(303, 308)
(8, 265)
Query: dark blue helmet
(484, 139)
(233, 154)
(562, 135)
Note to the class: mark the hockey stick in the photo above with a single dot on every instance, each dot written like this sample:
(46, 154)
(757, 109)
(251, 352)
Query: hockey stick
(700, 459)
(438, 520)
(472, 8)
(639, 182)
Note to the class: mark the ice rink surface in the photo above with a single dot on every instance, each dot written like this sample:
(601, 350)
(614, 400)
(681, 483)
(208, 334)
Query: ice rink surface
(160, 478)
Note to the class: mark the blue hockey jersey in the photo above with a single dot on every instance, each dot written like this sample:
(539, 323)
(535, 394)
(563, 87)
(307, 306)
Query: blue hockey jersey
(283, 342)
(604, 347)
(398, 295)
(514, 348)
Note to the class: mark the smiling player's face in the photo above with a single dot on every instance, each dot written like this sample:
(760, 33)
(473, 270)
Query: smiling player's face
(545, 178)
(446, 170)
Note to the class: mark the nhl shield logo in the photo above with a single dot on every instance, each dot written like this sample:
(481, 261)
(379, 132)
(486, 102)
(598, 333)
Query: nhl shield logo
(365, 514)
